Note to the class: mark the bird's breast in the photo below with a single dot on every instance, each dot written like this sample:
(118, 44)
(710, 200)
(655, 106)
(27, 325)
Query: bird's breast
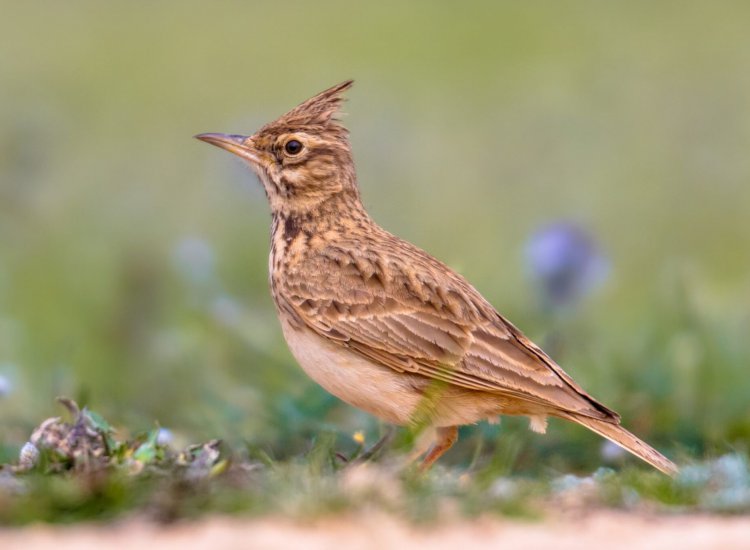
(373, 388)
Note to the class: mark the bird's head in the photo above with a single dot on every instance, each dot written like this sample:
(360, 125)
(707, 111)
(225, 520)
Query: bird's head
(302, 158)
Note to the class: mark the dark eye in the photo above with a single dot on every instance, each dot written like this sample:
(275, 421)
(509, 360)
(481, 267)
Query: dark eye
(293, 147)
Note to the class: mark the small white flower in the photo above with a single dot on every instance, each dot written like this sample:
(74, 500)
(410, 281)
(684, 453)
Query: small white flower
(611, 452)
(164, 437)
(29, 456)
(504, 489)
(732, 469)
(694, 475)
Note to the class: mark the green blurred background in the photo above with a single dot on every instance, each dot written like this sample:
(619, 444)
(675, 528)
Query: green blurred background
(133, 258)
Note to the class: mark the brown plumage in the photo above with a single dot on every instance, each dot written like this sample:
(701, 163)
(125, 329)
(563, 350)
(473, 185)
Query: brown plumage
(382, 324)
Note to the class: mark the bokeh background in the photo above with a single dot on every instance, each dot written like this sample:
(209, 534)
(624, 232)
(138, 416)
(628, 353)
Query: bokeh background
(584, 164)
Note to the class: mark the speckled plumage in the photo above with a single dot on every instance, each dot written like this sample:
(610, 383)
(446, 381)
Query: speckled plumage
(380, 323)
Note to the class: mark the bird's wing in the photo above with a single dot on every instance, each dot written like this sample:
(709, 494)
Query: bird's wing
(423, 318)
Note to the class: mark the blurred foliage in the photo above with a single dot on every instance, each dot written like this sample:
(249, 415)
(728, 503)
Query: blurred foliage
(74, 477)
(133, 258)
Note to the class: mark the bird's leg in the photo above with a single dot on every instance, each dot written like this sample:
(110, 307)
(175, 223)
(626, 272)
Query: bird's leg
(445, 438)
(422, 444)
(372, 451)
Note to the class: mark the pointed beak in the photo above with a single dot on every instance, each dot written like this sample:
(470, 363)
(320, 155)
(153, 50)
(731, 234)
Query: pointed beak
(242, 146)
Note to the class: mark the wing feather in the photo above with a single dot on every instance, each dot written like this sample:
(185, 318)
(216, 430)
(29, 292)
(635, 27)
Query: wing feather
(424, 318)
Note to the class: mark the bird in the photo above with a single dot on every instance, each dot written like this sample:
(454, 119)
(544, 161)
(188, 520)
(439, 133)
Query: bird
(380, 323)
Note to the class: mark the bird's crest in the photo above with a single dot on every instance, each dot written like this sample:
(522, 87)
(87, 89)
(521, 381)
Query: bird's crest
(318, 112)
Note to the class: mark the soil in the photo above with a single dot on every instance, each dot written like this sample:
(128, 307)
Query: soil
(600, 529)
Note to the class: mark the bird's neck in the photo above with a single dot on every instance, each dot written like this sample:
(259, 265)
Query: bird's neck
(339, 213)
(317, 217)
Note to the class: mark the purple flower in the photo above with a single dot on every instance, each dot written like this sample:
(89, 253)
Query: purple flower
(164, 437)
(565, 263)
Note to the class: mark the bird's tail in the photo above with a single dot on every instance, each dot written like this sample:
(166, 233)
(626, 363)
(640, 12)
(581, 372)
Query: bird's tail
(619, 435)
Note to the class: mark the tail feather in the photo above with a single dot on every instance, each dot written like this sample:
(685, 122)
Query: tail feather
(619, 435)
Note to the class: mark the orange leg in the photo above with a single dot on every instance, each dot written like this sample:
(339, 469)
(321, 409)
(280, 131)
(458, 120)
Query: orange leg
(445, 438)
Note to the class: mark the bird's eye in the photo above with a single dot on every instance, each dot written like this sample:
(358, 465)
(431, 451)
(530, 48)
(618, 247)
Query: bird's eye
(293, 147)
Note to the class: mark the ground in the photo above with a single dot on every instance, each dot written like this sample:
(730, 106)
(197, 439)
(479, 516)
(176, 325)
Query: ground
(609, 529)
(76, 484)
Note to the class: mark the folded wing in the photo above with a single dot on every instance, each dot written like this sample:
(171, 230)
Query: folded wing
(406, 320)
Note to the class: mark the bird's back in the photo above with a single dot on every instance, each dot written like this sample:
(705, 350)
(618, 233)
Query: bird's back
(385, 298)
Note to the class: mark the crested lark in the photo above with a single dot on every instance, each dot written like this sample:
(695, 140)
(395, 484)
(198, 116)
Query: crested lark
(380, 323)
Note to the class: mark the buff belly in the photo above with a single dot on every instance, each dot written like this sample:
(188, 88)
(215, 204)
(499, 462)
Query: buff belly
(383, 392)
(373, 388)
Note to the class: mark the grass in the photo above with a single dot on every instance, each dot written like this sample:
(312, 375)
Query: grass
(84, 472)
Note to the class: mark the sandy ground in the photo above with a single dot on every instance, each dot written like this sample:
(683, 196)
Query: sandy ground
(599, 530)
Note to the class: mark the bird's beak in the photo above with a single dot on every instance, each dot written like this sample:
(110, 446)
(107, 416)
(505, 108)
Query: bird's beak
(242, 146)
